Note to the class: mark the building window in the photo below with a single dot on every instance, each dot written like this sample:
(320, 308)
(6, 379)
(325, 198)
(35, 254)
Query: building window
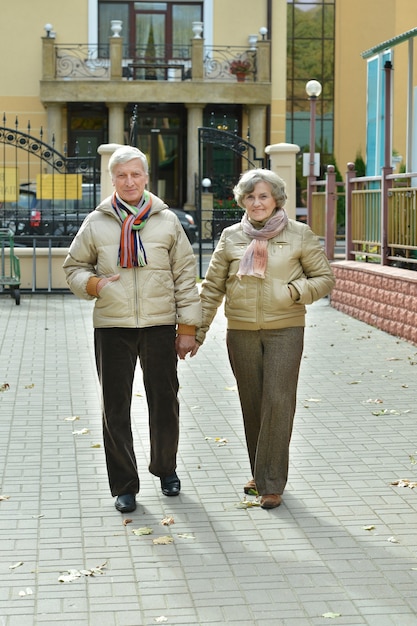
(310, 55)
(155, 30)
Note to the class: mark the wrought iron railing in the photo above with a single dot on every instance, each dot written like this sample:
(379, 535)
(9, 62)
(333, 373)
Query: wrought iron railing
(82, 61)
(223, 62)
(220, 63)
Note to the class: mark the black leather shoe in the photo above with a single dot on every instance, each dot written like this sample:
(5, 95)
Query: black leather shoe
(171, 485)
(125, 503)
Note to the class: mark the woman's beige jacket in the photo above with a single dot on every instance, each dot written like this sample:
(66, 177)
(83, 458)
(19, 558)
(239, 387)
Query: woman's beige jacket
(295, 258)
(163, 292)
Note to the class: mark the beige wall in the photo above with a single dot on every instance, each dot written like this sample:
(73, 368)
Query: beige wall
(234, 20)
(21, 50)
(361, 25)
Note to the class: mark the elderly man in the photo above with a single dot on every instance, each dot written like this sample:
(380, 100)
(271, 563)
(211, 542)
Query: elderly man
(132, 256)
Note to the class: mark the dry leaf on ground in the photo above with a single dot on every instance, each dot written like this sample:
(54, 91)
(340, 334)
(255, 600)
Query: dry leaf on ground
(165, 540)
(74, 574)
(84, 431)
(142, 531)
(404, 482)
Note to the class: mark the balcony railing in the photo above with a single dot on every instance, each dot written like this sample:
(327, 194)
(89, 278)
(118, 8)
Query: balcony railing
(118, 61)
(82, 61)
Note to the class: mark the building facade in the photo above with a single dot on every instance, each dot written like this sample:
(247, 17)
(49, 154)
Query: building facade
(80, 71)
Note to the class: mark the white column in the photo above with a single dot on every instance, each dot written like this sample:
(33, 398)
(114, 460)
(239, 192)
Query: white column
(194, 121)
(54, 115)
(116, 122)
(283, 161)
(257, 127)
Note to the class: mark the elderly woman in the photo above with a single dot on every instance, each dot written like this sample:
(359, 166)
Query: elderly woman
(268, 267)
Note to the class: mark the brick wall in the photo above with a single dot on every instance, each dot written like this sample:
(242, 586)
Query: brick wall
(382, 296)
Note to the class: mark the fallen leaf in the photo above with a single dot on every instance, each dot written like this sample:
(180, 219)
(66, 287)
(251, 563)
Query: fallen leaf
(38, 516)
(95, 445)
(404, 482)
(138, 395)
(27, 592)
(73, 418)
(165, 540)
(127, 521)
(332, 615)
(16, 565)
(185, 536)
(376, 401)
(31, 386)
(355, 382)
(221, 441)
(84, 431)
(74, 574)
(371, 527)
(4, 387)
(4, 498)
(161, 619)
(313, 400)
(234, 388)
(167, 521)
(142, 531)
(393, 540)
(247, 504)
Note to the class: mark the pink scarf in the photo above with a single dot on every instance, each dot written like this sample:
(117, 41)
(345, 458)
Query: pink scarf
(253, 262)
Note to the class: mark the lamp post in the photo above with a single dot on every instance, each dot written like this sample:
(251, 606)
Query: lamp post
(313, 89)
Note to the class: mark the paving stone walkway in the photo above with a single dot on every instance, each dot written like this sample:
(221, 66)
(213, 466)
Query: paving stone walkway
(341, 549)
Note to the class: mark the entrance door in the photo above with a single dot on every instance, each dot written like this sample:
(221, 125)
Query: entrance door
(160, 135)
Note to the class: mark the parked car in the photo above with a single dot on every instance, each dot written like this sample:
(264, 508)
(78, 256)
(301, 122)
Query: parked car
(61, 219)
(188, 224)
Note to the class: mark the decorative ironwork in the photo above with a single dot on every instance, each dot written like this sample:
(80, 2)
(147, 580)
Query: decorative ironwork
(48, 154)
(231, 141)
(217, 62)
(82, 61)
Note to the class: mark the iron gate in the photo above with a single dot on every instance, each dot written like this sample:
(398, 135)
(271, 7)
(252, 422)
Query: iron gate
(222, 156)
(41, 201)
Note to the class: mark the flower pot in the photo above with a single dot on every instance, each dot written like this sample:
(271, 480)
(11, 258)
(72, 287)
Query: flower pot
(240, 77)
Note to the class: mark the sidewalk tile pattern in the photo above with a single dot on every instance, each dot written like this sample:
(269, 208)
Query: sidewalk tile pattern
(342, 548)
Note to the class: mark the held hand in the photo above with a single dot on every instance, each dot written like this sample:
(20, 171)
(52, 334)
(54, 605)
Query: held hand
(103, 281)
(186, 344)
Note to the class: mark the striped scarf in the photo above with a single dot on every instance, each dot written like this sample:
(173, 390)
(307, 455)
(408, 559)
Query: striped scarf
(133, 218)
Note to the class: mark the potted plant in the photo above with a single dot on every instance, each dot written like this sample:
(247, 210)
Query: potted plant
(240, 68)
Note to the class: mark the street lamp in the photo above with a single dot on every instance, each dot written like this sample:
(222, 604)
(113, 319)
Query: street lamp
(313, 89)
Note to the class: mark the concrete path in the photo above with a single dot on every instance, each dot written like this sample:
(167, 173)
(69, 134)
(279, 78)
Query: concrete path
(341, 549)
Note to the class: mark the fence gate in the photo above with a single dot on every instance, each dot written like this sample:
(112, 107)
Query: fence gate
(222, 156)
(44, 195)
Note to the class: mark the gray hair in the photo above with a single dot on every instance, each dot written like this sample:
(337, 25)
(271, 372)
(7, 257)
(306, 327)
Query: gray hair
(249, 179)
(125, 154)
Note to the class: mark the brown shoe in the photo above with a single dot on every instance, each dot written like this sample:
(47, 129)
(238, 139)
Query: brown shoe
(250, 488)
(270, 501)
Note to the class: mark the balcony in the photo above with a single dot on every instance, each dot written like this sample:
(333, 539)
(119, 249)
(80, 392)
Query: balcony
(193, 74)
